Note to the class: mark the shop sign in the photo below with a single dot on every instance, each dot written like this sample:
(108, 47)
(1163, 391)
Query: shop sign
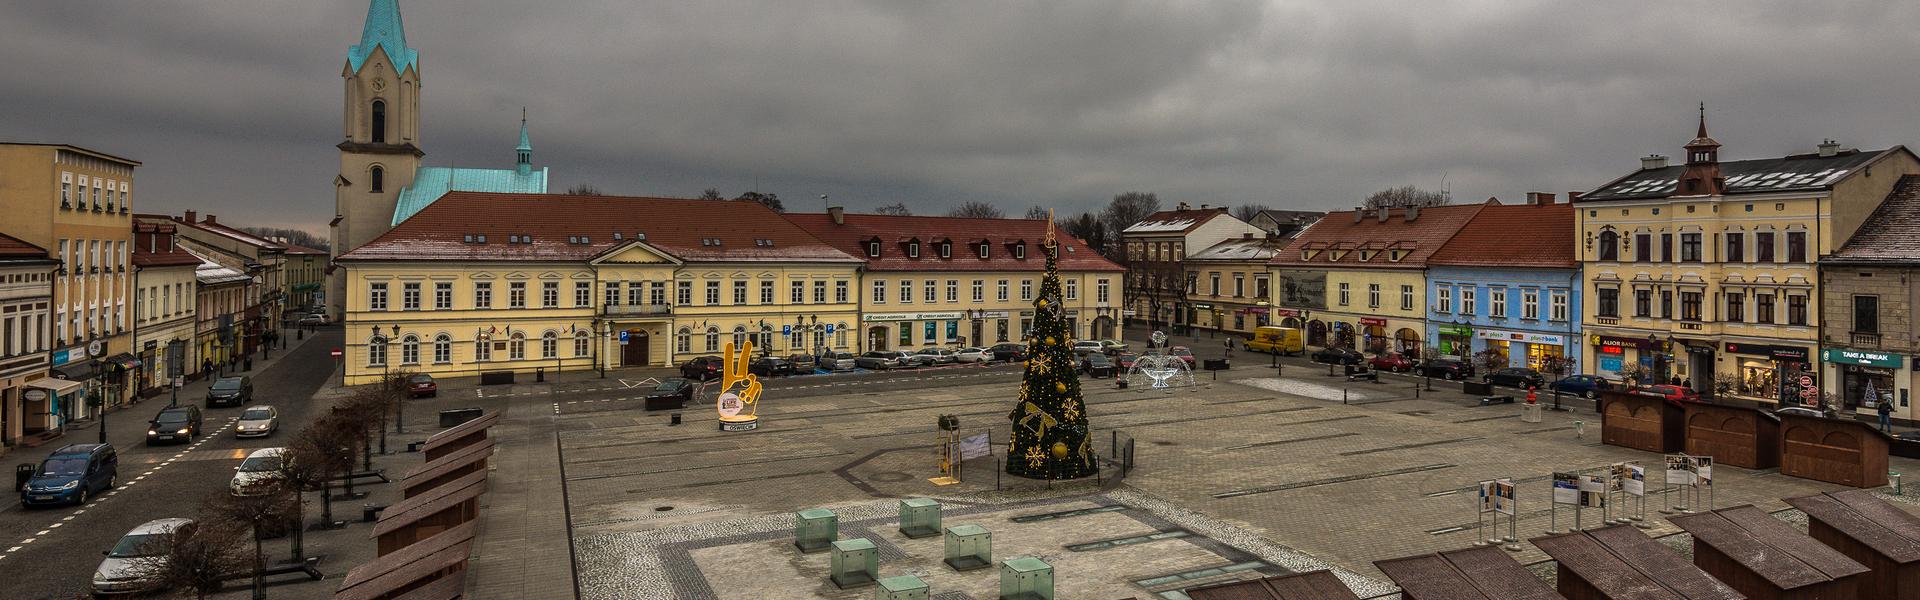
(1785, 353)
(1614, 340)
(885, 317)
(1520, 336)
(1257, 310)
(1001, 314)
(1203, 306)
(1286, 312)
(1373, 321)
(33, 395)
(1456, 330)
(1858, 357)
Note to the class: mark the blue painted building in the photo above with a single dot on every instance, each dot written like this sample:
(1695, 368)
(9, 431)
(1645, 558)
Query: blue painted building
(1508, 282)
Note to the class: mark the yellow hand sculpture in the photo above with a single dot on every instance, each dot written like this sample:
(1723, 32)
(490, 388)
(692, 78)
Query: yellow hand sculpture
(735, 378)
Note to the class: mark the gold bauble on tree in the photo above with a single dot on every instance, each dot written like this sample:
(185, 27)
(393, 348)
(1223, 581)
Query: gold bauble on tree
(1059, 450)
(1050, 341)
(1060, 387)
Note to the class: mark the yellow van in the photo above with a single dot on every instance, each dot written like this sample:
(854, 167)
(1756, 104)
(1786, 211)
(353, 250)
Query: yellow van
(1278, 340)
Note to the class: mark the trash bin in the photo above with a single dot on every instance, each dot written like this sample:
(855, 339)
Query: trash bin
(540, 374)
(21, 475)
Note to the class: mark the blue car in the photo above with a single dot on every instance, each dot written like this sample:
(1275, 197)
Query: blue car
(1586, 386)
(71, 475)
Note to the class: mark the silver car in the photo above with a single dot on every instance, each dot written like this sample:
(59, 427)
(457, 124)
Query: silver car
(259, 421)
(938, 356)
(836, 361)
(973, 355)
(127, 563)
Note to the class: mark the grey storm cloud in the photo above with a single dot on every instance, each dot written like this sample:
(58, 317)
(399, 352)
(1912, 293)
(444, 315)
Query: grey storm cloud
(234, 105)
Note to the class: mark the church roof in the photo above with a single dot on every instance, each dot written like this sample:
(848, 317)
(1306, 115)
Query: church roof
(430, 183)
(383, 30)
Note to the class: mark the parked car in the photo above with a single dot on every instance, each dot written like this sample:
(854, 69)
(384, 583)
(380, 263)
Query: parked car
(1125, 360)
(71, 475)
(422, 384)
(673, 393)
(938, 356)
(179, 424)
(702, 368)
(1808, 412)
(1391, 361)
(1517, 377)
(769, 366)
(258, 421)
(1112, 347)
(1097, 365)
(1009, 351)
(128, 565)
(803, 364)
(1587, 386)
(314, 319)
(1086, 347)
(1183, 353)
(973, 355)
(1446, 368)
(259, 472)
(881, 360)
(1338, 356)
(1675, 393)
(230, 391)
(837, 361)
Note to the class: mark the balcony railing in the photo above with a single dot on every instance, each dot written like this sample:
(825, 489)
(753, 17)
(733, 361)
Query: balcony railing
(1607, 320)
(1690, 326)
(637, 309)
(1866, 340)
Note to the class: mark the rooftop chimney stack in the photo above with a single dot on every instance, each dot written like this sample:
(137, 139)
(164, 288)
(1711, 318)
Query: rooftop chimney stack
(1540, 198)
(211, 221)
(1413, 212)
(1828, 148)
(190, 216)
(1574, 196)
(1359, 214)
(838, 213)
(1653, 161)
(1181, 206)
(1383, 214)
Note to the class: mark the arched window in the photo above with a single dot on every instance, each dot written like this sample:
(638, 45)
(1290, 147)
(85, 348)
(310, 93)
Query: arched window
(1609, 245)
(377, 351)
(713, 339)
(580, 348)
(517, 346)
(549, 344)
(410, 350)
(683, 342)
(377, 180)
(840, 335)
(766, 337)
(483, 350)
(442, 349)
(739, 336)
(378, 128)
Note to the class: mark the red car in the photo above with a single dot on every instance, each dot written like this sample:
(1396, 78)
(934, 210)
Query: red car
(422, 384)
(1391, 361)
(1675, 393)
(1184, 354)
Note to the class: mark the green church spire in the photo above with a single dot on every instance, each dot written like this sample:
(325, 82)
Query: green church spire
(383, 30)
(524, 152)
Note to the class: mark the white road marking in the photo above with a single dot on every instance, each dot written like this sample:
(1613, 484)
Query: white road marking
(14, 549)
(54, 526)
(67, 518)
(26, 541)
(44, 532)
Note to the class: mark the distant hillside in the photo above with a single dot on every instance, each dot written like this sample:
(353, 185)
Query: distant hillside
(291, 236)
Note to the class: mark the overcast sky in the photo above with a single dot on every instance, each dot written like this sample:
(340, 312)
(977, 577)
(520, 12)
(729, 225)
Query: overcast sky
(234, 106)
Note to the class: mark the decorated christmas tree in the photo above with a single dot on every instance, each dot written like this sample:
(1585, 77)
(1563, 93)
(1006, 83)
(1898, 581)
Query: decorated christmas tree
(1050, 428)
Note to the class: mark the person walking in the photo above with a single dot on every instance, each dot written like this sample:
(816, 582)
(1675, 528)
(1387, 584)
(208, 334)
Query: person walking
(1886, 416)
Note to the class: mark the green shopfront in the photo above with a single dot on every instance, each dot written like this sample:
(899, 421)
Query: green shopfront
(1862, 379)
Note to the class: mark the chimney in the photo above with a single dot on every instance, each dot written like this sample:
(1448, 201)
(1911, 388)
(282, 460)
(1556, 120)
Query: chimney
(838, 213)
(1204, 207)
(190, 217)
(1540, 198)
(1359, 214)
(1181, 206)
(210, 220)
(1574, 196)
(1653, 161)
(1384, 213)
(1413, 212)
(1828, 148)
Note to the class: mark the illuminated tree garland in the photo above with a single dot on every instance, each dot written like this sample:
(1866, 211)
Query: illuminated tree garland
(1050, 430)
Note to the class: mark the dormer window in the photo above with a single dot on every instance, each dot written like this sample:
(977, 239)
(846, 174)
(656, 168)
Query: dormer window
(1020, 250)
(913, 249)
(946, 249)
(873, 248)
(1366, 255)
(985, 250)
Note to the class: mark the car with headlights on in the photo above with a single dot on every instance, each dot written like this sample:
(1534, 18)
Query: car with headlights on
(259, 420)
(260, 472)
(130, 562)
(178, 424)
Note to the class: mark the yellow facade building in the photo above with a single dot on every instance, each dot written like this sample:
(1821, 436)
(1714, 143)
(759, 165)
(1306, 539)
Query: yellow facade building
(1357, 278)
(483, 282)
(77, 203)
(165, 292)
(1704, 274)
(26, 300)
(1229, 284)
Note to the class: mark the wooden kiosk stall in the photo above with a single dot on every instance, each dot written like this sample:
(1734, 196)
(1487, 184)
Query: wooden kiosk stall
(1869, 530)
(1733, 435)
(1767, 559)
(1620, 563)
(1311, 585)
(1482, 573)
(1642, 421)
(1840, 451)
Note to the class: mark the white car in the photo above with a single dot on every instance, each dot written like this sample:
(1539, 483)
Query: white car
(259, 473)
(1084, 348)
(260, 420)
(973, 355)
(123, 571)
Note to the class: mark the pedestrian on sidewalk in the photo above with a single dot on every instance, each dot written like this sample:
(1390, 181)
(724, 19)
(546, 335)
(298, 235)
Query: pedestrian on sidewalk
(1886, 416)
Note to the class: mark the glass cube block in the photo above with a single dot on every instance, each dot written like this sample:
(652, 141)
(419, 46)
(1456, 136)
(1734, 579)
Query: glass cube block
(919, 518)
(969, 547)
(1026, 578)
(814, 529)
(903, 587)
(856, 563)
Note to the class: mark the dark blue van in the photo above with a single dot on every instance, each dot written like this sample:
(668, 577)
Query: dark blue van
(71, 475)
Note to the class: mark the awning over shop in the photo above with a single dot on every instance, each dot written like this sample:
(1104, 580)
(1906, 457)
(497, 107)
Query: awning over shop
(125, 360)
(81, 370)
(59, 387)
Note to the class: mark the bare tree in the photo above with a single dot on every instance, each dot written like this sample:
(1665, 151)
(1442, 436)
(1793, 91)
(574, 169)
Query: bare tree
(321, 453)
(1406, 196)
(898, 209)
(1089, 229)
(583, 189)
(770, 200)
(1129, 208)
(1246, 212)
(712, 194)
(1037, 213)
(196, 558)
(975, 209)
(271, 507)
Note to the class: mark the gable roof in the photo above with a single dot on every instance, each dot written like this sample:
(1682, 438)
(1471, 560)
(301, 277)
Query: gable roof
(431, 183)
(683, 228)
(1175, 221)
(1892, 234)
(14, 248)
(1516, 235)
(211, 224)
(171, 256)
(297, 249)
(1338, 238)
(1797, 172)
(384, 29)
(894, 231)
(1242, 249)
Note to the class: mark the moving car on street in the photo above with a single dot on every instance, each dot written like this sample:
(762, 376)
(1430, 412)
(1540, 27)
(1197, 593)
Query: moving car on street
(1097, 365)
(672, 394)
(1338, 356)
(314, 319)
(973, 355)
(259, 421)
(701, 368)
(1446, 368)
(127, 564)
(1391, 361)
(71, 475)
(230, 391)
(1519, 377)
(180, 424)
(259, 472)
(1586, 386)
(422, 384)
(837, 361)
(1277, 340)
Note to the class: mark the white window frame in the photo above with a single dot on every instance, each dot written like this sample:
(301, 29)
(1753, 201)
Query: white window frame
(1558, 307)
(1443, 299)
(879, 291)
(377, 297)
(1530, 304)
(1497, 302)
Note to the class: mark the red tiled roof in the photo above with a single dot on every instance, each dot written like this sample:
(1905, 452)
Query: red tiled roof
(215, 227)
(170, 257)
(895, 231)
(1425, 234)
(678, 227)
(298, 249)
(1515, 235)
(12, 247)
(1174, 221)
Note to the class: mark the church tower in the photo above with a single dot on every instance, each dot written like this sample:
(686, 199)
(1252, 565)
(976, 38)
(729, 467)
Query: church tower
(380, 127)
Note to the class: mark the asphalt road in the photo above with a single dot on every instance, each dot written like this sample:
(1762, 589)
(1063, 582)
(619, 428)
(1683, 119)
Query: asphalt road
(52, 552)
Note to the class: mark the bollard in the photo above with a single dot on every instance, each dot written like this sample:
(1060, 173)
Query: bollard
(1579, 430)
(1343, 395)
(673, 419)
(540, 374)
(1894, 476)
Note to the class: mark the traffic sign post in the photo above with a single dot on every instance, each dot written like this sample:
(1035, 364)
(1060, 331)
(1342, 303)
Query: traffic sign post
(623, 337)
